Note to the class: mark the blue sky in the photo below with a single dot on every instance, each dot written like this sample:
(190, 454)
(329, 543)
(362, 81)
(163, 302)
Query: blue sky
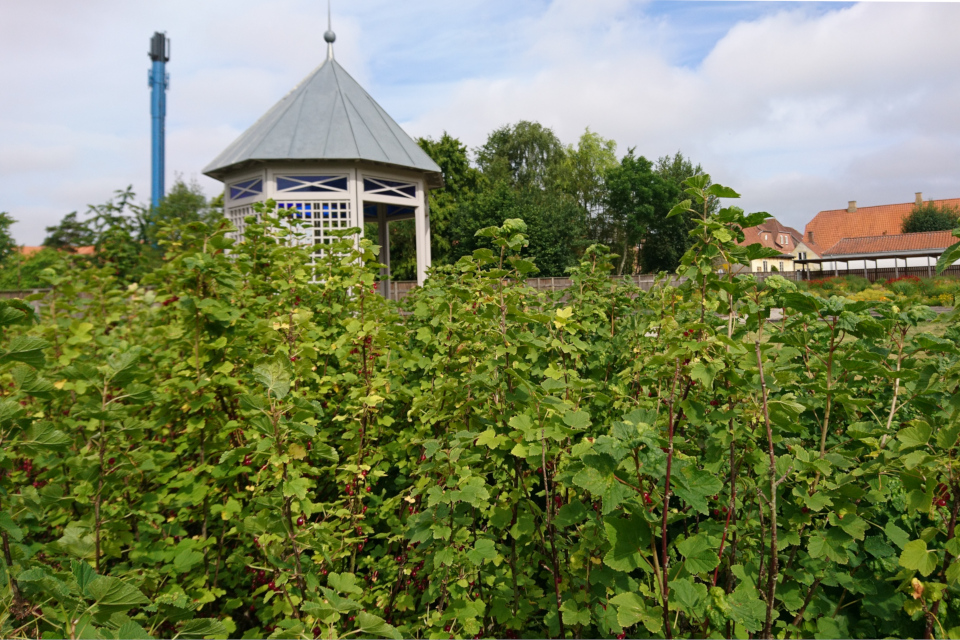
(799, 106)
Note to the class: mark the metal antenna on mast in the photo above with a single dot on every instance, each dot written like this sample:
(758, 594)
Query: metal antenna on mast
(329, 36)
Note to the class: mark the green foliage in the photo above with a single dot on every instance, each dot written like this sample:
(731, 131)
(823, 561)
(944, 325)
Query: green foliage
(526, 155)
(8, 246)
(555, 224)
(638, 203)
(931, 217)
(69, 234)
(252, 442)
(460, 182)
(25, 271)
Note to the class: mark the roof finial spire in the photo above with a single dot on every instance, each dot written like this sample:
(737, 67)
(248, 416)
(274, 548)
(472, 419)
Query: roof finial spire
(329, 36)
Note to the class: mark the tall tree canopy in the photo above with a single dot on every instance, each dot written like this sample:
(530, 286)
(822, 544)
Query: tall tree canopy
(638, 203)
(554, 224)
(8, 246)
(930, 216)
(526, 155)
(69, 234)
(461, 181)
(582, 171)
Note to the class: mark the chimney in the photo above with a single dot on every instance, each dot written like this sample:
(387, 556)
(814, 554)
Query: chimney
(852, 206)
(919, 199)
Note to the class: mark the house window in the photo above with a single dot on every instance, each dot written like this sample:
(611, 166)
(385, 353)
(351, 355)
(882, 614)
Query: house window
(781, 265)
(765, 266)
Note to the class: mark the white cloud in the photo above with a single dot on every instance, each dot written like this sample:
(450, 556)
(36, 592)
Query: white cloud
(799, 109)
(795, 109)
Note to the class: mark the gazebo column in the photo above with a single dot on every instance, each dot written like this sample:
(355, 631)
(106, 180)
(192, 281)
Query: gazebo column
(383, 230)
(421, 220)
(929, 272)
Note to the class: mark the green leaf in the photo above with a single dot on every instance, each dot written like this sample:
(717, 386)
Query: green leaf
(571, 514)
(877, 547)
(829, 544)
(297, 487)
(577, 419)
(947, 436)
(489, 439)
(632, 608)
(720, 191)
(484, 549)
(896, 535)
(475, 492)
(603, 485)
(42, 437)
(275, 376)
(629, 539)
(699, 554)
(8, 525)
(344, 583)
(854, 525)
(948, 257)
(692, 596)
(371, 625)
(201, 628)
(953, 572)
(83, 573)
(680, 207)
(747, 609)
(113, 592)
(26, 349)
(694, 485)
(186, 560)
(916, 556)
(572, 615)
(915, 436)
(130, 630)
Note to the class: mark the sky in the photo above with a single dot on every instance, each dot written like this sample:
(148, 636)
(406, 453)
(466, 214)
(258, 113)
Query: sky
(799, 106)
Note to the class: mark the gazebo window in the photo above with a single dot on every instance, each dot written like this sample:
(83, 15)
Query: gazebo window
(246, 189)
(379, 186)
(311, 184)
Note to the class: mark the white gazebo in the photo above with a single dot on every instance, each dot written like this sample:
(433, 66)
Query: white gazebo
(330, 152)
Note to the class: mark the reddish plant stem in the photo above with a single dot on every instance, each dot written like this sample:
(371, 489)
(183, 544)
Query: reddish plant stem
(665, 588)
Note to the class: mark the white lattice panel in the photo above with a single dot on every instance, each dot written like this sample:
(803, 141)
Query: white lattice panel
(236, 216)
(326, 217)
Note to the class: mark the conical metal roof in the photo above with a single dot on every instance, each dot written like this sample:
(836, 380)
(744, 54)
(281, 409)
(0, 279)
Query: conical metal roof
(328, 116)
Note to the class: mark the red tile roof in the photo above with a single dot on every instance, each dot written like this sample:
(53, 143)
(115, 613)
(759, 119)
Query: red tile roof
(772, 235)
(902, 242)
(829, 227)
